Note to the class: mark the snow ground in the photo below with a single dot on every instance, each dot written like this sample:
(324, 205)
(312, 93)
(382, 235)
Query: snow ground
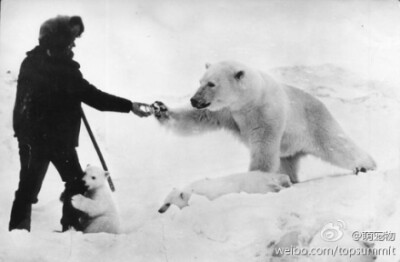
(344, 52)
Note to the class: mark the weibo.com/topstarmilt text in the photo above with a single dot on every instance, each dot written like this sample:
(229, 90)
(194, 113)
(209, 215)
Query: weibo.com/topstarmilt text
(335, 251)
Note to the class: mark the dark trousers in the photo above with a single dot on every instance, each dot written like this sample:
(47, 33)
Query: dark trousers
(35, 161)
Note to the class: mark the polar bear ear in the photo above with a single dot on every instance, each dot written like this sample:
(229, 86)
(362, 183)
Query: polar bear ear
(208, 65)
(184, 196)
(239, 75)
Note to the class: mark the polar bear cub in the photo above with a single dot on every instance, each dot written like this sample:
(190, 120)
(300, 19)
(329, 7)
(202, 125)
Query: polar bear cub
(255, 182)
(100, 212)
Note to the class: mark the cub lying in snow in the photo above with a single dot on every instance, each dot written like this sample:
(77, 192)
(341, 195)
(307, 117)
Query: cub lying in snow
(100, 211)
(248, 182)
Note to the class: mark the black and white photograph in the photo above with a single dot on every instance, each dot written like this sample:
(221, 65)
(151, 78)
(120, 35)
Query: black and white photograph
(183, 130)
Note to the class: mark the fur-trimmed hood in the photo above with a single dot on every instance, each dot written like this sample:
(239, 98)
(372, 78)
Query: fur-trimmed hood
(58, 32)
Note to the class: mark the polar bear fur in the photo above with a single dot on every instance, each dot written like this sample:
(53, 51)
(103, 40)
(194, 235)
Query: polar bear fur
(278, 123)
(254, 182)
(100, 212)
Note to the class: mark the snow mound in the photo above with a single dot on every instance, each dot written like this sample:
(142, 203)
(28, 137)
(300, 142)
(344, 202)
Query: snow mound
(330, 81)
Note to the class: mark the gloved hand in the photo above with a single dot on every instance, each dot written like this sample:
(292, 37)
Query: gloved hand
(141, 109)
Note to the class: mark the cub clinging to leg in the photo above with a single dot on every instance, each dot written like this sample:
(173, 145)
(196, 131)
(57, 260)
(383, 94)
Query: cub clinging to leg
(278, 123)
(100, 212)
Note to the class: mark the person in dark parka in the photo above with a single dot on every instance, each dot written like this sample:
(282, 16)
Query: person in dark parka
(47, 118)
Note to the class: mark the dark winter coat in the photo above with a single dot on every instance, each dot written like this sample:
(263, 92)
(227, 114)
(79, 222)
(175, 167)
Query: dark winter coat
(48, 102)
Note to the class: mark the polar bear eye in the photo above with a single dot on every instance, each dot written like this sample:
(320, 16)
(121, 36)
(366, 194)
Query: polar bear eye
(210, 84)
(93, 177)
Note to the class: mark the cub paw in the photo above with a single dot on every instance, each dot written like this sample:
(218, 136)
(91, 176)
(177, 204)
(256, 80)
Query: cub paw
(284, 181)
(77, 201)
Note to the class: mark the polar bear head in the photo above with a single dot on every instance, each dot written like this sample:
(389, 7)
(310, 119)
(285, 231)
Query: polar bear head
(225, 84)
(95, 177)
(180, 198)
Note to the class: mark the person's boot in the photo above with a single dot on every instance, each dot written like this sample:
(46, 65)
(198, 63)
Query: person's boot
(20, 217)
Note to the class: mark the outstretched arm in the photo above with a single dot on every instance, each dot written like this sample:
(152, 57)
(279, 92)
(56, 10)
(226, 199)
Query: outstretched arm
(193, 121)
(103, 101)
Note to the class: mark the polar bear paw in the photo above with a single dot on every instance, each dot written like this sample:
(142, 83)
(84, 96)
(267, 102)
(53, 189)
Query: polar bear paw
(160, 110)
(365, 166)
(360, 169)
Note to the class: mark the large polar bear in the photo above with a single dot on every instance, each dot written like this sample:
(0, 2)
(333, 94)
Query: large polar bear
(100, 212)
(279, 123)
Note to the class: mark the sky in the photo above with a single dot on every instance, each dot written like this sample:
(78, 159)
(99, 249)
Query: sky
(126, 41)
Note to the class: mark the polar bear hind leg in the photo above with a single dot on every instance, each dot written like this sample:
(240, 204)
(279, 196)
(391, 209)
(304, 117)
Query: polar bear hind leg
(341, 151)
(331, 144)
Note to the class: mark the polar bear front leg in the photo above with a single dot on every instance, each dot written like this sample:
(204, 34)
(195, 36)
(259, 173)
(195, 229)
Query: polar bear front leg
(78, 202)
(265, 156)
(188, 121)
(87, 205)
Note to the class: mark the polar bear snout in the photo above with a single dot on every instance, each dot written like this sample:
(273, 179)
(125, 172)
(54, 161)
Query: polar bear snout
(175, 197)
(199, 103)
(86, 183)
(86, 186)
(164, 208)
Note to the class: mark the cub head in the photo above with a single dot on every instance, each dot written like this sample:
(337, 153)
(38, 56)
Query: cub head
(223, 85)
(176, 197)
(94, 177)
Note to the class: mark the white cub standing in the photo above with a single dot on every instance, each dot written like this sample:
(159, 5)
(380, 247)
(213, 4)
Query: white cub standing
(100, 212)
(278, 123)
